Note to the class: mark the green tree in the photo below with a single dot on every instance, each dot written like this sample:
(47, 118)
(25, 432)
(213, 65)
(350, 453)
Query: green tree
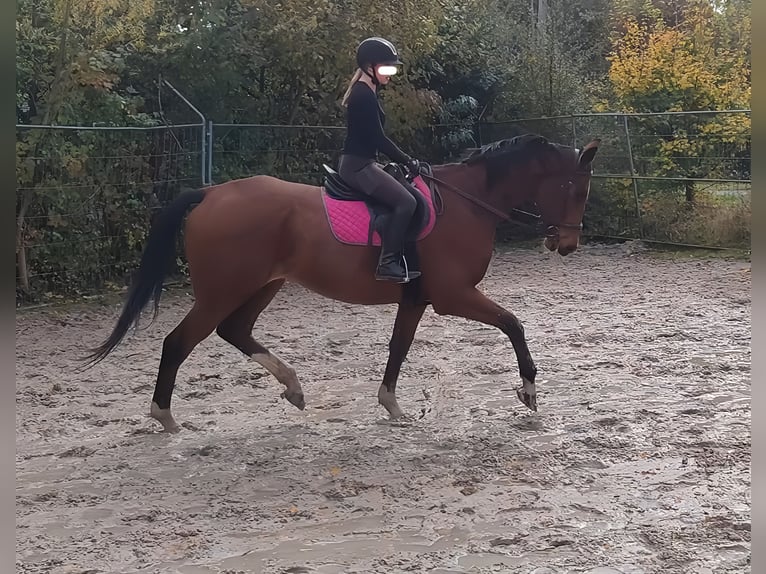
(696, 64)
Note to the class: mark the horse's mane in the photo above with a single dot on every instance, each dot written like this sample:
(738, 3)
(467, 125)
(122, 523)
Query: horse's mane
(500, 156)
(515, 149)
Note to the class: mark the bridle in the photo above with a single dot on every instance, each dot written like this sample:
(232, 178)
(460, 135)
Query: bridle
(552, 230)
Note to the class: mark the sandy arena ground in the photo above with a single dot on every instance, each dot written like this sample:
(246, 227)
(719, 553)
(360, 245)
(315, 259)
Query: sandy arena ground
(638, 460)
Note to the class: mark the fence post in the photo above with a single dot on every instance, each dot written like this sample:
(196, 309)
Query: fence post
(633, 176)
(203, 163)
(574, 131)
(210, 152)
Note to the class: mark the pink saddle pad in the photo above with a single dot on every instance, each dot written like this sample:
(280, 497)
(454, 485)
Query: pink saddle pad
(350, 220)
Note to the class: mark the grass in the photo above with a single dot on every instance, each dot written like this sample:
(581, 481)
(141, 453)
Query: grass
(712, 220)
(669, 252)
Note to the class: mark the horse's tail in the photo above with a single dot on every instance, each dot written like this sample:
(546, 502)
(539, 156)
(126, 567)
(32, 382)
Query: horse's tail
(147, 281)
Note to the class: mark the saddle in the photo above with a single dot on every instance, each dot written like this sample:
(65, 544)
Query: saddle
(357, 218)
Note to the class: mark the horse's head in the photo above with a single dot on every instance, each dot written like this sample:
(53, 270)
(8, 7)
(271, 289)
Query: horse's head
(555, 177)
(561, 194)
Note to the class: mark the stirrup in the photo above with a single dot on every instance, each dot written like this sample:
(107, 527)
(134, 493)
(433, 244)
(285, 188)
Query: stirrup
(407, 276)
(392, 276)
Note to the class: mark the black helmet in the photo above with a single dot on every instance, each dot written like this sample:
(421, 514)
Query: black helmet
(374, 51)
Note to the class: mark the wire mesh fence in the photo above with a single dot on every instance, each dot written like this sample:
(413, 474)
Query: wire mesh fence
(681, 177)
(298, 152)
(289, 152)
(86, 195)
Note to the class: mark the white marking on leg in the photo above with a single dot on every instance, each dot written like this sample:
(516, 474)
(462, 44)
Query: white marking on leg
(282, 370)
(528, 386)
(285, 374)
(389, 402)
(164, 417)
(527, 394)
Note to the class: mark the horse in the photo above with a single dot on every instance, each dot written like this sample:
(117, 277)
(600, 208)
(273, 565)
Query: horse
(245, 238)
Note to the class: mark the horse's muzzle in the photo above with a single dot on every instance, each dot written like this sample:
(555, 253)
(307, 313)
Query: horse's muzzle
(564, 244)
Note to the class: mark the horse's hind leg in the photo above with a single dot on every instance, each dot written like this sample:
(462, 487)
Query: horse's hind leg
(407, 320)
(177, 346)
(237, 329)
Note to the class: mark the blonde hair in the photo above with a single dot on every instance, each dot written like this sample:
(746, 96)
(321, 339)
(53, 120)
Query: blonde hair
(354, 79)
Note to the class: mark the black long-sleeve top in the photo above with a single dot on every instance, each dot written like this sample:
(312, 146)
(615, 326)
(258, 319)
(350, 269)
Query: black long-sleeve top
(365, 120)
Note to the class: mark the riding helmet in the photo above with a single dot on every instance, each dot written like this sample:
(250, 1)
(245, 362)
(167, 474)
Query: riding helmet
(374, 51)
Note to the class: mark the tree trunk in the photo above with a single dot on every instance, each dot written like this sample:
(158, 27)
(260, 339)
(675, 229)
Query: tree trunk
(21, 252)
(689, 186)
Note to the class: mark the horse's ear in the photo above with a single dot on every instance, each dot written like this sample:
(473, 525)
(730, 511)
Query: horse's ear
(588, 153)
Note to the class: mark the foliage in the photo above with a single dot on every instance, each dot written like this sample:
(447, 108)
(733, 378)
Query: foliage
(101, 62)
(90, 196)
(686, 55)
(657, 68)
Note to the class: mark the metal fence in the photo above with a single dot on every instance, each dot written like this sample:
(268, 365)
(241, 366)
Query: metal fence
(85, 195)
(291, 152)
(681, 177)
(297, 152)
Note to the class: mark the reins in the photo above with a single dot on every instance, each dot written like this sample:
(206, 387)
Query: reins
(495, 211)
(483, 204)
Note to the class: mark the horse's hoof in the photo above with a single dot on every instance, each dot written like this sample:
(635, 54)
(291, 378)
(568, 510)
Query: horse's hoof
(529, 399)
(400, 416)
(295, 398)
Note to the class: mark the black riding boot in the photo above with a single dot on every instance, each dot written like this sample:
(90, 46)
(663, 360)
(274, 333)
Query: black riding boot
(390, 266)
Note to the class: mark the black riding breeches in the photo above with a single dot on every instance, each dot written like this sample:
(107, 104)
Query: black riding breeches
(367, 176)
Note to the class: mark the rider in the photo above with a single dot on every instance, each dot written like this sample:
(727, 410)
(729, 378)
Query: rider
(377, 60)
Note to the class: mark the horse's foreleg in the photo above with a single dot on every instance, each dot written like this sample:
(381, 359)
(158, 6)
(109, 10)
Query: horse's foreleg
(475, 306)
(407, 320)
(237, 329)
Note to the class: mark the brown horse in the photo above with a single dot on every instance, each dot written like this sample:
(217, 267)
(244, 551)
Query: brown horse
(246, 237)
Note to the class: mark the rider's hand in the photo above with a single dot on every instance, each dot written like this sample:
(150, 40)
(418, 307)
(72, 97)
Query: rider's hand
(413, 166)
